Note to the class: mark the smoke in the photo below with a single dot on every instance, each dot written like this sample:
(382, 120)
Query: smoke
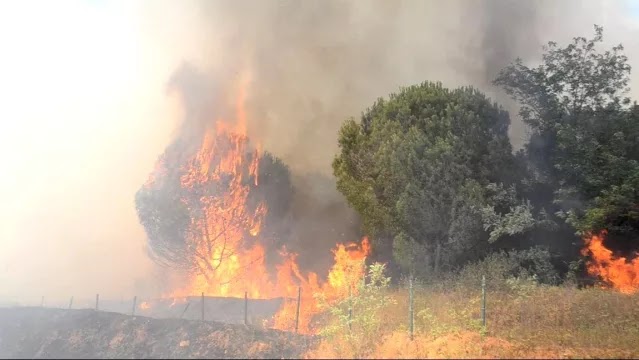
(83, 118)
(87, 112)
(315, 63)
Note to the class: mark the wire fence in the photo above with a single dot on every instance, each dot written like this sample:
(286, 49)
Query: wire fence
(484, 306)
(230, 310)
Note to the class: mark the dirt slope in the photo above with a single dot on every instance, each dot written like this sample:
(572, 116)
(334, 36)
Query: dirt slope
(57, 333)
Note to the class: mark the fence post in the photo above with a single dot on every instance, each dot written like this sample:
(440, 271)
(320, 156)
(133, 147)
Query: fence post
(97, 302)
(411, 308)
(246, 308)
(185, 308)
(70, 302)
(364, 269)
(42, 302)
(297, 312)
(135, 300)
(350, 308)
(202, 306)
(483, 301)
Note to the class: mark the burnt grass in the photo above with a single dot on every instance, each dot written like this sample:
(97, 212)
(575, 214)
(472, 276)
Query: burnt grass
(58, 333)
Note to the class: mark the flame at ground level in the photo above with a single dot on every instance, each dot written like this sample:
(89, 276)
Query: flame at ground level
(347, 270)
(618, 272)
(289, 283)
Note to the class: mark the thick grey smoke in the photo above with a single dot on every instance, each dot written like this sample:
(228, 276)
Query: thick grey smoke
(83, 124)
(314, 63)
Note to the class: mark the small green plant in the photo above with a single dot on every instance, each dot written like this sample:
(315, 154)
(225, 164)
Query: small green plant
(435, 327)
(523, 287)
(453, 319)
(498, 267)
(575, 267)
(356, 318)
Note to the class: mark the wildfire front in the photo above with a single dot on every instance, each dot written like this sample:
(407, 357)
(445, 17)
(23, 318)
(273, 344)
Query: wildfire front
(214, 232)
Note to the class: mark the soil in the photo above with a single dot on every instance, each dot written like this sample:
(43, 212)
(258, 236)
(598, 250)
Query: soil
(59, 333)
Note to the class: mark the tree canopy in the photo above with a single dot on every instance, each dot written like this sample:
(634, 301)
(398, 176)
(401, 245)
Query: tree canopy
(432, 171)
(583, 150)
(416, 167)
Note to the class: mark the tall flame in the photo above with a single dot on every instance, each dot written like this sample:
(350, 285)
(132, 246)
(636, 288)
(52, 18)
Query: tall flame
(618, 272)
(216, 186)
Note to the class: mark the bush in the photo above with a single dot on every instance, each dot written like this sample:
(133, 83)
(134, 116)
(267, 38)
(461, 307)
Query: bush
(356, 319)
(499, 267)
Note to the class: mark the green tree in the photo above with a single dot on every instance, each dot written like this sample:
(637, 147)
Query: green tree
(583, 152)
(416, 167)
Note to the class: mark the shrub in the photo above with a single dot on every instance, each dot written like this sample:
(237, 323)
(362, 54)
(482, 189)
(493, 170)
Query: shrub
(498, 267)
(356, 319)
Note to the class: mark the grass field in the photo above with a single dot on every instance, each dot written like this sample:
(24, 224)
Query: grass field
(524, 320)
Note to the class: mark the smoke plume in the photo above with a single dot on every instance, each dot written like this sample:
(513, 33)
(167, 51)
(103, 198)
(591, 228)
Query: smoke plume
(312, 64)
(94, 78)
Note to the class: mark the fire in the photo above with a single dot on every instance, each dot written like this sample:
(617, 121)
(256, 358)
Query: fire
(347, 270)
(620, 273)
(145, 305)
(215, 185)
(177, 301)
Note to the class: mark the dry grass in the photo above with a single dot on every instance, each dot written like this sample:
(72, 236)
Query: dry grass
(523, 321)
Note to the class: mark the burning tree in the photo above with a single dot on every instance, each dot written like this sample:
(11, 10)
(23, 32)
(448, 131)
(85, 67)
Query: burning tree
(201, 210)
(215, 210)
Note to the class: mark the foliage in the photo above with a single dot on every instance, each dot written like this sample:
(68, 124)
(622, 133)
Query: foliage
(459, 319)
(498, 267)
(525, 319)
(274, 189)
(409, 175)
(583, 153)
(518, 219)
(523, 287)
(356, 318)
(415, 167)
(167, 210)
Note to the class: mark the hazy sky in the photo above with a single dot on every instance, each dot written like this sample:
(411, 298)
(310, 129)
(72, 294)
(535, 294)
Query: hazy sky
(84, 116)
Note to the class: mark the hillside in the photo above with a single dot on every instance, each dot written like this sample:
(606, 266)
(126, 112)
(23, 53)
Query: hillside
(57, 333)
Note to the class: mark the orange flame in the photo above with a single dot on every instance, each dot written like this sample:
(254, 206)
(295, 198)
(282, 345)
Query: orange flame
(347, 270)
(618, 272)
(145, 305)
(176, 301)
(218, 184)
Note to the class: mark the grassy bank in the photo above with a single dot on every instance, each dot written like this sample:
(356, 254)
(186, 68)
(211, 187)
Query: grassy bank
(524, 319)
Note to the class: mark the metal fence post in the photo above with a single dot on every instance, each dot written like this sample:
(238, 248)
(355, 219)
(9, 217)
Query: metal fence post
(97, 302)
(185, 308)
(297, 312)
(135, 300)
(411, 308)
(350, 308)
(70, 302)
(246, 308)
(483, 301)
